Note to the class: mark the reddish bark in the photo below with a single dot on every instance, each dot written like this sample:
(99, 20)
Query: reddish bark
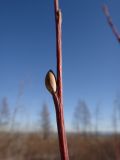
(58, 95)
(61, 129)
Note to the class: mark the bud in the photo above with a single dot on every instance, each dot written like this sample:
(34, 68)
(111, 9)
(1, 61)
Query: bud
(50, 82)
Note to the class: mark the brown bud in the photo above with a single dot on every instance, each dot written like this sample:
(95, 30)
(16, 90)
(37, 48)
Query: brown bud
(50, 82)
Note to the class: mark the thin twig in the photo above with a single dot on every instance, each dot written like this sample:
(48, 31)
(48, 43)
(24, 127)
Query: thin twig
(110, 22)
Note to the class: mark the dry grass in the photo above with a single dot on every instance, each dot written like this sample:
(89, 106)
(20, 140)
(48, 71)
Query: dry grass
(33, 147)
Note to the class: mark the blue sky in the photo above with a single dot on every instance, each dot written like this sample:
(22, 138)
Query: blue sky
(91, 55)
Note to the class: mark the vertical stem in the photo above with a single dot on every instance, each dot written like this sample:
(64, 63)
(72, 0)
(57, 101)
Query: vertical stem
(61, 129)
(58, 20)
(59, 105)
(56, 6)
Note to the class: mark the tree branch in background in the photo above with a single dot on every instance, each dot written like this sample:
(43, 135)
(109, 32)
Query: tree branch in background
(117, 35)
(110, 22)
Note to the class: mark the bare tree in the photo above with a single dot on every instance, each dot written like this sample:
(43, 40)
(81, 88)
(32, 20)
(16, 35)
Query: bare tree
(18, 106)
(82, 117)
(4, 113)
(97, 118)
(45, 122)
(116, 127)
(116, 113)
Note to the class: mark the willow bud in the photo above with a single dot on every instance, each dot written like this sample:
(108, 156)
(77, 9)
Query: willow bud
(50, 82)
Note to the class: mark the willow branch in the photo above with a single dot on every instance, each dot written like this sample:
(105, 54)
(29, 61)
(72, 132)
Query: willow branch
(54, 85)
(59, 105)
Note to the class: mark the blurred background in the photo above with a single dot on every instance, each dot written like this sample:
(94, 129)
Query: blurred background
(91, 80)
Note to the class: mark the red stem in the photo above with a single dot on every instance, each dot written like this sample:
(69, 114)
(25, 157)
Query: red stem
(58, 98)
(58, 20)
(61, 129)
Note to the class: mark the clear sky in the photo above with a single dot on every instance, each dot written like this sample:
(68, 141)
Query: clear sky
(91, 56)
